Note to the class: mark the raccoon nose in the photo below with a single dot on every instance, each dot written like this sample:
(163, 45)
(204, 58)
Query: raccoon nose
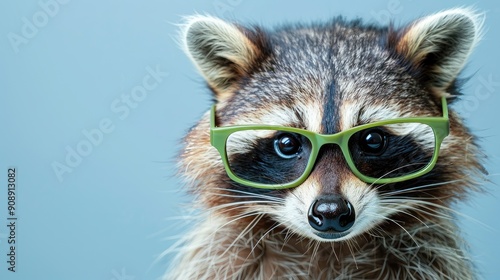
(331, 213)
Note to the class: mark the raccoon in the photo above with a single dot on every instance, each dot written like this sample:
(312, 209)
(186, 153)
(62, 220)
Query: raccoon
(329, 152)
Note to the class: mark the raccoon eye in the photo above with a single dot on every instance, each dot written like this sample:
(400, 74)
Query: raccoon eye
(373, 141)
(287, 146)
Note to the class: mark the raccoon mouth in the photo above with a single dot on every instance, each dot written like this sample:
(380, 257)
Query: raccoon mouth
(331, 235)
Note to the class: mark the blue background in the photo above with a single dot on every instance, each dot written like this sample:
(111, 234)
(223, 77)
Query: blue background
(115, 212)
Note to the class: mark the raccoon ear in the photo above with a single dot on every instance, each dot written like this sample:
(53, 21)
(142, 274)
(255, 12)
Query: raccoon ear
(222, 52)
(439, 45)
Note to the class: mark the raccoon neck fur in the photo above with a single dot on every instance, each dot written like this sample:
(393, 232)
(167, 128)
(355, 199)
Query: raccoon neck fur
(240, 251)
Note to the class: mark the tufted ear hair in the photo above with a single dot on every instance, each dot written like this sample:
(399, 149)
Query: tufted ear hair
(438, 45)
(223, 52)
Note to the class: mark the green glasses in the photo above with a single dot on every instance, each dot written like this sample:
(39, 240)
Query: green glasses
(276, 157)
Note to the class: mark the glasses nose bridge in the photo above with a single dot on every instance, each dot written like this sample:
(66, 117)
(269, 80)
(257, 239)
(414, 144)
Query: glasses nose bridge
(324, 139)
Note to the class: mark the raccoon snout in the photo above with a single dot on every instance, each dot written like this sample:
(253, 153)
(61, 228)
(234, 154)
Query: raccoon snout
(331, 213)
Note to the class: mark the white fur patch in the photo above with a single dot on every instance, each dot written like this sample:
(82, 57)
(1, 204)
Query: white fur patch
(312, 113)
(295, 211)
(242, 142)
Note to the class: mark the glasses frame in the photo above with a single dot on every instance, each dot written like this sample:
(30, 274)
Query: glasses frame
(219, 135)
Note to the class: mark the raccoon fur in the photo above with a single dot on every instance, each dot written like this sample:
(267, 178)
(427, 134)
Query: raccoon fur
(327, 78)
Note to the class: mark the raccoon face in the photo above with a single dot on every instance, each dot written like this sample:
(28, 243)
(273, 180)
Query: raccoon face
(329, 79)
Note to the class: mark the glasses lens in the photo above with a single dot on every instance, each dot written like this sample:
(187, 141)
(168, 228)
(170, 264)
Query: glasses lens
(393, 150)
(268, 156)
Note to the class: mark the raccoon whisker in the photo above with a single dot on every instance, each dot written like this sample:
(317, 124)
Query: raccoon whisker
(245, 231)
(239, 217)
(398, 224)
(247, 200)
(253, 201)
(300, 237)
(245, 209)
(310, 246)
(380, 232)
(176, 247)
(398, 168)
(247, 203)
(384, 268)
(250, 194)
(355, 244)
(316, 250)
(420, 205)
(292, 232)
(313, 256)
(376, 186)
(421, 187)
(334, 253)
(227, 207)
(428, 206)
(375, 232)
(284, 230)
(348, 243)
(265, 234)
(235, 196)
(287, 238)
(404, 211)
